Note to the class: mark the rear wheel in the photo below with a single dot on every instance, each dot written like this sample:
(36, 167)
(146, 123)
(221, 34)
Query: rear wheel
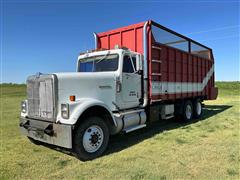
(187, 112)
(197, 108)
(91, 138)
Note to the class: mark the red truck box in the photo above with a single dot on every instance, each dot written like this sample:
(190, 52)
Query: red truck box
(178, 67)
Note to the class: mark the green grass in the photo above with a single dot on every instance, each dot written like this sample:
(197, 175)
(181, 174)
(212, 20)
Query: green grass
(205, 149)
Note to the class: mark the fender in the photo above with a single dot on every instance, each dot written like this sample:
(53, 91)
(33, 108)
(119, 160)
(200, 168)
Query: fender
(78, 107)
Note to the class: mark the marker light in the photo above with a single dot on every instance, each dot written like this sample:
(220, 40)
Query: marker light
(72, 98)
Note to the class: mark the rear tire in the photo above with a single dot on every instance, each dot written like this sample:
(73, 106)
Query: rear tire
(187, 112)
(197, 108)
(91, 138)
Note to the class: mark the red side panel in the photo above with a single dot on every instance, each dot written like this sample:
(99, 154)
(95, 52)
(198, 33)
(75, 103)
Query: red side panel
(129, 36)
(179, 69)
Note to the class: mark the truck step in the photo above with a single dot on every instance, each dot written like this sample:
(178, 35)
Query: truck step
(169, 117)
(133, 128)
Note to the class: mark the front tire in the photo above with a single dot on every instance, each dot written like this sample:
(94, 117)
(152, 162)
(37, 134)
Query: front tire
(91, 138)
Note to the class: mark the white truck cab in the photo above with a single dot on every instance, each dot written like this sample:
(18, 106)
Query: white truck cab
(79, 110)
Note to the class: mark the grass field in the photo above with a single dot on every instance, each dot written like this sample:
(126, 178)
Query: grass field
(205, 149)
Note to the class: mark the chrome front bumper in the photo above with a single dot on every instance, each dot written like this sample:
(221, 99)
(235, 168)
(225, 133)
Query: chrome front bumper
(47, 132)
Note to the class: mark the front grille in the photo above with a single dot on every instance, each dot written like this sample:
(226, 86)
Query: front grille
(40, 96)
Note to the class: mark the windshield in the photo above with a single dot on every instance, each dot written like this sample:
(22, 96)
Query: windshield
(103, 63)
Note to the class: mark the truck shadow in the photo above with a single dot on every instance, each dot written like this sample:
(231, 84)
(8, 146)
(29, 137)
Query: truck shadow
(120, 142)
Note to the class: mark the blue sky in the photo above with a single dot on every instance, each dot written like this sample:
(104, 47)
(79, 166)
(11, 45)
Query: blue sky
(47, 36)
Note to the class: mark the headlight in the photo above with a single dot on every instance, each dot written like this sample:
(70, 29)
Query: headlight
(65, 111)
(24, 106)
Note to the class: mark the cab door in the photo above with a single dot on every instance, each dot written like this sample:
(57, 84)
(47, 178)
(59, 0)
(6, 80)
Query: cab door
(131, 82)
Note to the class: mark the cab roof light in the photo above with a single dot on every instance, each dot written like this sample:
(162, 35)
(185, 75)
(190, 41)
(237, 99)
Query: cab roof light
(93, 50)
(119, 47)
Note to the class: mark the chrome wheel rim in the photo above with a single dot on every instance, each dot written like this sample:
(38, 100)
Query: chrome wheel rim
(93, 138)
(199, 108)
(188, 112)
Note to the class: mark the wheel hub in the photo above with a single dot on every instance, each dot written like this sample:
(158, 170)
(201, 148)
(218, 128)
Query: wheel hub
(93, 138)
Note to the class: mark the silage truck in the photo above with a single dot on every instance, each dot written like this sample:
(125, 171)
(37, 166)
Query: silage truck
(136, 74)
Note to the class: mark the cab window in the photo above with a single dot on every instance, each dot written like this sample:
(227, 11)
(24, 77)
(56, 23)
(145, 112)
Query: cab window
(129, 65)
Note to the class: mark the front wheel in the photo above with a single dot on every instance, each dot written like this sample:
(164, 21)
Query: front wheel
(91, 138)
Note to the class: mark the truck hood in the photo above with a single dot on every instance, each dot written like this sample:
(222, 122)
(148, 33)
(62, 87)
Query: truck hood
(100, 86)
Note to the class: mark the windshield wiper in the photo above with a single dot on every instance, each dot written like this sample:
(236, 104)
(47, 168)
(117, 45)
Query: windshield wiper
(99, 61)
(104, 57)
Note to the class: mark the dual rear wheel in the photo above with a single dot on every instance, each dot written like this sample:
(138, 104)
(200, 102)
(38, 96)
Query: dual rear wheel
(191, 109)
